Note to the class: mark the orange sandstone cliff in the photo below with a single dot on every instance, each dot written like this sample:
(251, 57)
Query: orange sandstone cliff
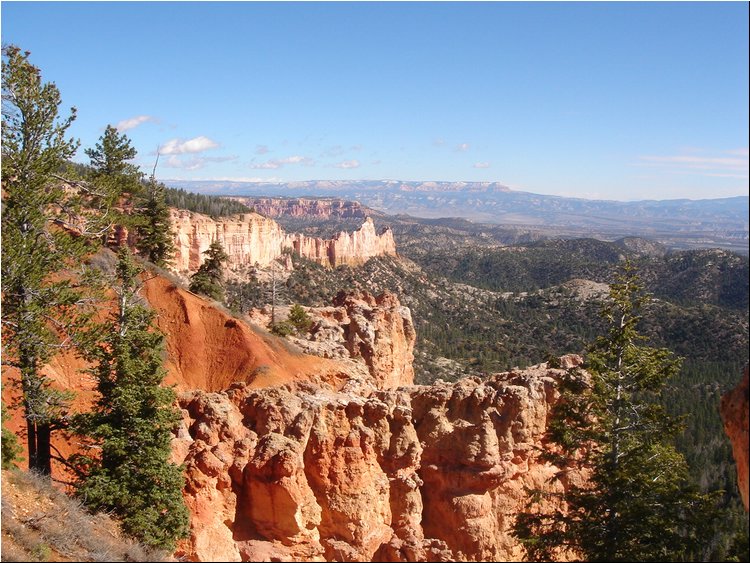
(415, 473)
(735, 412)
(207, 349)
(251, 239)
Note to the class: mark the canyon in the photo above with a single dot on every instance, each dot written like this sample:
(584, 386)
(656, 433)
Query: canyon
(254, 240)
(290, 456)
(321, 447)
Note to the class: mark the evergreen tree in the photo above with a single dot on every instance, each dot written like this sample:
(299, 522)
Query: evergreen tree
(110, 158)
(112, 177)
(132, 423)
(637, 504)
(155, 230)
(299, 318)
(39, 308)
(209, 279)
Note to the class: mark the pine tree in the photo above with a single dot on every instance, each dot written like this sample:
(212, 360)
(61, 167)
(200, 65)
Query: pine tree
(112, 177)
(155, 229)
(209, 279)
(39, 309)
(299, 318)
(132, 423)
(637, 504)
(110, 158)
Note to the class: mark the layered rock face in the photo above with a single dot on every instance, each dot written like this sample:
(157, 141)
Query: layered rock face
(377, 331)
(345, 248)
(735, 412)
(247, 239)
(304, 207)
(303, 472)
(251, 239)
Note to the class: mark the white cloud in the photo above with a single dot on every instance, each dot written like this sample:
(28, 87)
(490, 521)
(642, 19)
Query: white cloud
(270, 165)
(462, 147)
(253, 179)
(297, 159)
(261, 149)
(730, 164)
(178, 146)
(133, 122)
(481, 165)
(354, 163)
(195, 162)
(280, 162)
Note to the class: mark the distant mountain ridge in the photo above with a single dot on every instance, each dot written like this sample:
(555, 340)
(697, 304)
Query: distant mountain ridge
(680, 223)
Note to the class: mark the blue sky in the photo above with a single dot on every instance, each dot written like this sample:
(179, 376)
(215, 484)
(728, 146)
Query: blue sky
(612, 101)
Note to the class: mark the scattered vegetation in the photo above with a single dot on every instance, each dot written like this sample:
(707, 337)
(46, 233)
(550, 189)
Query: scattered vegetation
(42, 523)
(50, 225)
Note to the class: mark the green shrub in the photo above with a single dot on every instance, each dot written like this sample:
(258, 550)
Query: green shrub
(10, 446)
(284, 328)
(299, 318)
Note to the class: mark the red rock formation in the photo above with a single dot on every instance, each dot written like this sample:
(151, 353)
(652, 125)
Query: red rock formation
(409, 474)
(248, 239)
(346, 248)
(381, 332)
(735, 412)
(252, 239)
(377, 333)
(304, 207)
(207, 349)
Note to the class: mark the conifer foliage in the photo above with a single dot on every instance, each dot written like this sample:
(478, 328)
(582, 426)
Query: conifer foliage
(40, 312)
(155, 231)
(637, 504)
(132, 422)
(113, 176)
(209, 279)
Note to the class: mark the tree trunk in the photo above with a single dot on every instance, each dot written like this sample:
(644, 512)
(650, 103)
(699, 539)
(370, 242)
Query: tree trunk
(31, 443)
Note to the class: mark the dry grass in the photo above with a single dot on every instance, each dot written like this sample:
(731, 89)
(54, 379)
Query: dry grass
(42, 523)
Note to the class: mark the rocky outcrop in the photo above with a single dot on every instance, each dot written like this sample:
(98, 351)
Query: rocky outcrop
(304, 207)
(376, 333)
(207, 349)
(735, 412)
(248, 239)
(409, 474)
(251, 239)
(346, 248)
(381, 332)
